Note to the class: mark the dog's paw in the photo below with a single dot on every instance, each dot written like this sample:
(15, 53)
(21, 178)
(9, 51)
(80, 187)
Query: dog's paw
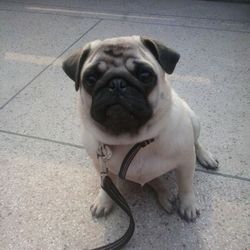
(102, 205)
(166, 203)
(206, 159)
(187, 208)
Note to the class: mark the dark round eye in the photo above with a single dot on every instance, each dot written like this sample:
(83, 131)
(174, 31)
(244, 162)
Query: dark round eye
(145, 76)
(90, 80)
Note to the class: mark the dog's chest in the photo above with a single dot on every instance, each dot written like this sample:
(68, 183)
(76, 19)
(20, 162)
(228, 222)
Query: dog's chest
(149, 163)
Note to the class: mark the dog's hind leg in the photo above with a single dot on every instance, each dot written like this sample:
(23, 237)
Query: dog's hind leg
(204, 157)
(164, 197)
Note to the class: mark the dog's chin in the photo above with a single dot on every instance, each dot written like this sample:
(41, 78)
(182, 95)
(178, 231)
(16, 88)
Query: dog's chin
(119, 120)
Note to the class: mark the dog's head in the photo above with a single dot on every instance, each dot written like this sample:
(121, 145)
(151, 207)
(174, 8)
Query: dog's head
(120, 80)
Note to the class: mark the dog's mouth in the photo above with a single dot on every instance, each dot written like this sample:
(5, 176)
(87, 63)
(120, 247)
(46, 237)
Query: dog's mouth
(120, 114)
(120, 120)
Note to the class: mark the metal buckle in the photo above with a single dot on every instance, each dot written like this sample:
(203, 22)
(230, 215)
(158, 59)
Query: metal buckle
(103, 155)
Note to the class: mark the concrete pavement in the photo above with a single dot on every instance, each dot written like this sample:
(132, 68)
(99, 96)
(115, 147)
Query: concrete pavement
(46, 180)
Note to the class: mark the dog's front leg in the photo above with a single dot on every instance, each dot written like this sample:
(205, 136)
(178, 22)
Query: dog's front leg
(103, 203)
(186, 198)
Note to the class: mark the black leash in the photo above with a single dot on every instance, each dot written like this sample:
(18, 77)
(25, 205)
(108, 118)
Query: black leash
(109, 187)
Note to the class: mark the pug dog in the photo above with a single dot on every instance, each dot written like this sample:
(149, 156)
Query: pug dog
(125, 98)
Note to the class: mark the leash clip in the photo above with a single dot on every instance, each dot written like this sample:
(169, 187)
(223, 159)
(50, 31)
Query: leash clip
(104, 154)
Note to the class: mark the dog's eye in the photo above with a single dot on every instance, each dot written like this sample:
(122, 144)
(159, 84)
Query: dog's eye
(145, 75)
(90, 80)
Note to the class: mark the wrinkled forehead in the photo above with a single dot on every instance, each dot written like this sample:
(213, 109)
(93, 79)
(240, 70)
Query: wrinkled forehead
(116, 52)
(118, 49)
(119, 45)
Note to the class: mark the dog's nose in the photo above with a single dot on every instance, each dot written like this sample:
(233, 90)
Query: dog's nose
(117, 84)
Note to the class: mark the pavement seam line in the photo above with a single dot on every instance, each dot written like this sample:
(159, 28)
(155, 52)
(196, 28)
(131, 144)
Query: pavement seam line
(42, 71)
(121, 19)
(212, 172)
(42, 139)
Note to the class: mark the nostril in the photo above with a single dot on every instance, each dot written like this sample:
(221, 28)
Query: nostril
(112, 86)
(123, 85)
(117, 84)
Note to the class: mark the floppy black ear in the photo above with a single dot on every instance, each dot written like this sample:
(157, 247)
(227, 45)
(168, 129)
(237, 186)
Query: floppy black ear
(73, 64)
(165, 56)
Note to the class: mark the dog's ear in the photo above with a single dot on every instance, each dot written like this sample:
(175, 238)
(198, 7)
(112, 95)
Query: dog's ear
(73, 64)
(165, 56)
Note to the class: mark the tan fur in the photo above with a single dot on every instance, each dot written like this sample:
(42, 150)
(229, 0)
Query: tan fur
(174, 126)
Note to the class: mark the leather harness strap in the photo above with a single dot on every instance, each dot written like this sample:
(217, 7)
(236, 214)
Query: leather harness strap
(109, 187)
(130, 156)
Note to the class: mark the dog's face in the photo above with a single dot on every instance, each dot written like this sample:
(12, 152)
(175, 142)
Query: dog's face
(117, 78)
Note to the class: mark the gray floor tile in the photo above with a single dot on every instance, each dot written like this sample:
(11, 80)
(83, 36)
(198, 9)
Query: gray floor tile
(49, 109)
(161, 14)
(30, 42)
(199, 9)
(46, 190)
